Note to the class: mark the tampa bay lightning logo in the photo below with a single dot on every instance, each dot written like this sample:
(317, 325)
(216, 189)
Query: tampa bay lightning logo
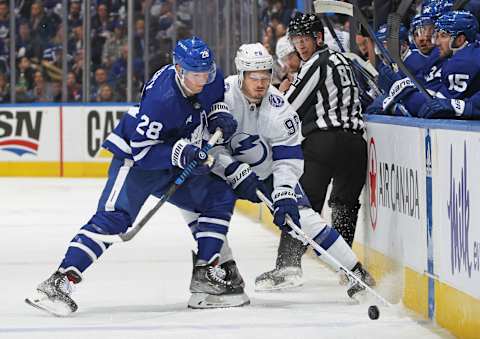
(275, 100)
(248, 148)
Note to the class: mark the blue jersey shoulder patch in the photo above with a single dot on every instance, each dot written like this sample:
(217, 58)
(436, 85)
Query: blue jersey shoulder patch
(275, 100)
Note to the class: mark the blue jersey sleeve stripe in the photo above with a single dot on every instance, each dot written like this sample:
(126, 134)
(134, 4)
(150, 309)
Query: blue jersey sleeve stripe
(142, 154)
(287, 152)
(145, 143)
(118, 142)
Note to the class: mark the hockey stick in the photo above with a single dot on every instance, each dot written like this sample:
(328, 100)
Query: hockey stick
(394, 21)
(366, 76)
(392, 61)
(127, 236)
(318, 248)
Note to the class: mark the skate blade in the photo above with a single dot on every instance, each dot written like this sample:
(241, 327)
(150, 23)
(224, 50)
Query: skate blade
(205, 301)
(55, 308)
(269, 286)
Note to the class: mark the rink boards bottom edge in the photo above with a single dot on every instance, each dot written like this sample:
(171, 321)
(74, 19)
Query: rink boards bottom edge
(454, 310)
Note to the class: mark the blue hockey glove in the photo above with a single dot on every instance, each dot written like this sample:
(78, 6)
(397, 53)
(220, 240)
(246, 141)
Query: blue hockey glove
(244, 181)
(400, 90)
(183, 153)
(220, 117)
(386, 77)
(376, 107)
(445, 108)
(285, 203)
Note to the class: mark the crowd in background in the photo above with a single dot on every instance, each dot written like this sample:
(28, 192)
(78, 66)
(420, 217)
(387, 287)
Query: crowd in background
(39, 35)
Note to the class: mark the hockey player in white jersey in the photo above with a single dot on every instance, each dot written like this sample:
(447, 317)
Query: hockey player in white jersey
(265, 153)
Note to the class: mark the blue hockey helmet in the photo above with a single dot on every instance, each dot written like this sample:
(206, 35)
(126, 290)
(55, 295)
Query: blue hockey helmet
(194, 55)
(420, 21)
(458, 22)
(436, 8)
(382, 33)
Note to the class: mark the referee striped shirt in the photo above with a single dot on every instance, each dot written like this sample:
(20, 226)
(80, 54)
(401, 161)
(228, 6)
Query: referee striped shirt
(325, 94)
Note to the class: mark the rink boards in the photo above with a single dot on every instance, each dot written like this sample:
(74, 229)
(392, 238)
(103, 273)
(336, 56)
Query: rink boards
(418, 226)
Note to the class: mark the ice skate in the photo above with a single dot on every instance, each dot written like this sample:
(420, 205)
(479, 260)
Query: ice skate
(53, 296)
(212, 287)
(354, 287)
(279, 278)
(232, 273)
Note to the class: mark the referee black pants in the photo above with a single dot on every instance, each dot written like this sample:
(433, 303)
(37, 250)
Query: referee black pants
(340, 156)
(337, 155)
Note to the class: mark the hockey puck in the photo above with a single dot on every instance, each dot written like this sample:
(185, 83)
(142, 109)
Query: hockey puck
(373, 312)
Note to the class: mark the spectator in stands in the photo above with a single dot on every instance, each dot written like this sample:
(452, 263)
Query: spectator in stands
(43, 26)
(4, 89)
(74, 90)
(77, 67)
(113, 46)
(75, 43)
(99, 81)
(75, 13)
(105, 93)
(56, 91)
(42, 90)
(4, 21)
(102, 30)
(24, 83)
(276, 7)
(139, 37)
(25, 45)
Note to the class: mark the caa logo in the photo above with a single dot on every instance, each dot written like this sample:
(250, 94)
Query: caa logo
(275, 100)
(99, 125)
(248, 148)
(20, 132)
(372, 178)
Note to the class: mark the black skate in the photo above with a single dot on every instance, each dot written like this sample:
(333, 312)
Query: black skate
(354, 287)
(279, 278)
(53, 295)
(212, 288)
(232, 273)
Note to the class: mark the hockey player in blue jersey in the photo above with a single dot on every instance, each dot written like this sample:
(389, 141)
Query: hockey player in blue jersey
(459, 78)
(265, 153)
(412, 58)
(180, 106)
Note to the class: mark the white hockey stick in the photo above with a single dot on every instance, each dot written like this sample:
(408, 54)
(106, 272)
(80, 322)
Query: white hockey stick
(127, 236)
(333, 6)
(318, 248)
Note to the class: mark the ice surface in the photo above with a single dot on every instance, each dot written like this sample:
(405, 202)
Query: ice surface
(140, 289)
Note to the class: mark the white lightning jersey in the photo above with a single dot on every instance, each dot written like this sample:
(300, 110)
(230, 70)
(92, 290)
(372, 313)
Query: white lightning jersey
(268, 136)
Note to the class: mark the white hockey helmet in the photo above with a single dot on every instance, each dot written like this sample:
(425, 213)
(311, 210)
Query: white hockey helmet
(252, 57)
(284, 48)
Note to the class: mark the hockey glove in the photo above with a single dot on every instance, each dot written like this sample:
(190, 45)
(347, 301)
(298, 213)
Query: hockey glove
(244, 181)
(285, 203)
(183, 153)
(376, 107)
(220, 117)
(445, 108)
(400, 90)
(386, 77)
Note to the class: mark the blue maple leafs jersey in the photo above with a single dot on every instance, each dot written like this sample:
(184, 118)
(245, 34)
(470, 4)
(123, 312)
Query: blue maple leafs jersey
(148, 132)
(458, 77)
(415, 61)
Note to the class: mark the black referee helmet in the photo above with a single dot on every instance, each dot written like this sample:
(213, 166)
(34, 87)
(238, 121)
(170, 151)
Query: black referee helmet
(305, 24)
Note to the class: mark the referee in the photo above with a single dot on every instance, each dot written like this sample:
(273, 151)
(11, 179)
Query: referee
(325, 95)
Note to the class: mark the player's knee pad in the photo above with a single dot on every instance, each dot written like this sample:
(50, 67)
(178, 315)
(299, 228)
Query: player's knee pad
(311, 222)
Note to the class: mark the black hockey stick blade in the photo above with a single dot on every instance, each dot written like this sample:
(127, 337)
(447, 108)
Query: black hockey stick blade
(393, 31)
